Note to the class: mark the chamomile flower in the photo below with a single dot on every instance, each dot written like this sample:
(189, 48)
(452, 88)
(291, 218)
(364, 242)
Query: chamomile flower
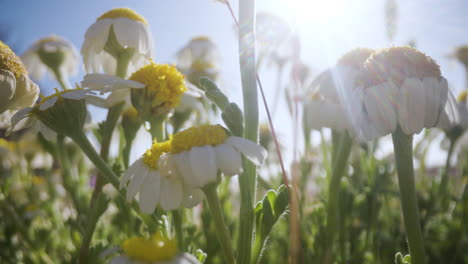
(155, 187)
(153, 250)
(17, 90)
(398, 87)
(116, 32)
(322, 107)
(74, 115)
(200, 152)
(199, 58)
(155, 89)
(53, 54)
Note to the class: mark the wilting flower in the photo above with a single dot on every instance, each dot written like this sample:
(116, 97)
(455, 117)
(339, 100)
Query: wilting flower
(199, 58)
(53, 54)
(322, 107)
(118, 32)
(17, 90)
(200, 152)
(153, 250)
(398, 87)
(156, 89)
(154, 187)
(57, 119)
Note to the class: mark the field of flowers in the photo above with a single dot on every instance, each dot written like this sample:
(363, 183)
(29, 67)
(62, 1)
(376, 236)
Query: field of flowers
(214, 186)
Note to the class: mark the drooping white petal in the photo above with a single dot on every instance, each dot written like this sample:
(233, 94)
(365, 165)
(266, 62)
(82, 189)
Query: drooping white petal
(76, 94)
(130, 172)
(171, 194)
(185, 258)
(150, 192)
(319, 114)
(135, 184)
(379, 103)
(183, 165)
(48, 103)
(192, 197)
(97, 101)
(21, 114)
(436, 96)
(412, 106)
(251, 151)
(449, 116)
(228, 159)
(203, 164)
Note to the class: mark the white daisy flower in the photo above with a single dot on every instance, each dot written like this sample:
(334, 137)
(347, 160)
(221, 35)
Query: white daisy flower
(155, 186)
(153, 250)
(162, 86)
(200, 57)
(398, 87)
(322, 107)
(43, 105)
(200, 152)
(50, 54)
(132, 33)
(16, 89)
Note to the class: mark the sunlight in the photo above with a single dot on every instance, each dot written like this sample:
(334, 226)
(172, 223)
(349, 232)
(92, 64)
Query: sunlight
(316, 11)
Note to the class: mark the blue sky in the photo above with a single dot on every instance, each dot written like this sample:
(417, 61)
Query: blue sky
(327, 29)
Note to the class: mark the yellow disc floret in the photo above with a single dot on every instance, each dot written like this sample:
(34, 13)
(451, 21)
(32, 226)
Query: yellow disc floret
(203, 135)
(151, 156)
(462, 96)
(10, 62)
(123, 12)
(397, 64)
(201, 38)
(164, 87)
(156, 248)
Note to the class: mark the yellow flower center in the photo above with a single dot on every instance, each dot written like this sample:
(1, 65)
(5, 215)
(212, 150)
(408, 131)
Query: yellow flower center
(155, 248)
(198, 136)
(10, 62)
(164, 85)
(201, 38)
(123, 12)
(57, 93)
(462, 96)
(462, 54)
(52, 38)
(356, 57)
(151, 156)
(397, 64)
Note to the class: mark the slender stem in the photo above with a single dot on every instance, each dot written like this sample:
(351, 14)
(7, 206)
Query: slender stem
(158, 128)
(218, 219)
(247, 181)
(62, 156)
(445, 172)
(178, 220)
(122, 63)
(403, 149)
(59, 77)
(82, 141)
(340, 157)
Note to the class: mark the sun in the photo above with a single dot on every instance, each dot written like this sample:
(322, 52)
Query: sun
(316, 11)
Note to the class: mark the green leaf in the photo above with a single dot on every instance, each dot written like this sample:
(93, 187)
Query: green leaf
(233, 118)
(214, 93)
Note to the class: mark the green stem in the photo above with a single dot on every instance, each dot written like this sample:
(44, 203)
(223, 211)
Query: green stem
(218, 219)
(444, 178)
(247, 181)
(82, 141)
(403, 149)
(177, 218)
(122, 63)
(158, 128)
(340, 155)
(59, 77)
(62, 157)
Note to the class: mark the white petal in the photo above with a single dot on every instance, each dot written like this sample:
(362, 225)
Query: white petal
(135, 183)
(449, 116)
(203, 164)
(76, 94)
(185, 258)
(192, 197)
(379, 103)
(412, 106)
(229, 160)
(48, 103)
(130, 172)
(436, 96)
(120, 260)
(171, 194)
(97, 101)
(150, 192)
(183, 166)
(251, 151)
(21, 114)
